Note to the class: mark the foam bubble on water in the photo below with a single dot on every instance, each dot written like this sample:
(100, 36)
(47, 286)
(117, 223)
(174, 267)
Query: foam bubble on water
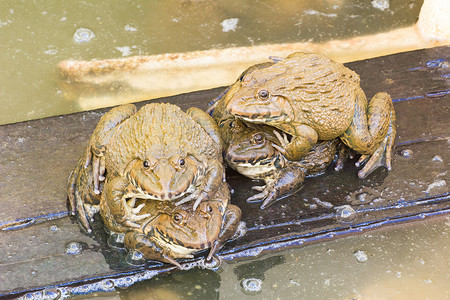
(345, 213)
(135, 258)
(435, 184)
(251, 286)
(361, 256)
(437, 158)
(229, 24)
(380, 4)
(129, 27)
(323, 203)
(406, 153)
(83, 35)
(125, 50)
(73, 248)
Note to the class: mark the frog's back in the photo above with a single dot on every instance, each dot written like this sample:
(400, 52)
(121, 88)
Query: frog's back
(160, 130)
(320, 91)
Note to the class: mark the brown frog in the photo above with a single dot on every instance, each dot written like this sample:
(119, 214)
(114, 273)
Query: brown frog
(171, 231)
(156, 153)
(251, 150)
(311, 98)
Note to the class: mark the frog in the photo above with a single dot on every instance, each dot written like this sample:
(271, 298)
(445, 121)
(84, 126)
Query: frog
(170, 231)
(157, 153)
(250, 150)
(311, 97)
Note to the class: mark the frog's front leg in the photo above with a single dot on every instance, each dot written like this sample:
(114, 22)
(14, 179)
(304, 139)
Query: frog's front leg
(118, 201)
(303, 138)
(285, 182)
(372, 132)
(210, 182)
(230, 223)
(149, 247)
(95, 153)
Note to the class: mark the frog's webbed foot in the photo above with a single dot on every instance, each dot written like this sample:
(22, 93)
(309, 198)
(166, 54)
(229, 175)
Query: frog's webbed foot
(299, 145)
(286, 182)
(382, 155)
(284, 141)
(131, 215)
(230, 224)
(149, 248)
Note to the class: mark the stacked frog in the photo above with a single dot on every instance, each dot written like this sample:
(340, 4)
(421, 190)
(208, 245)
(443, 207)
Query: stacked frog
(157, 177)
(142, 169)
(285, 119)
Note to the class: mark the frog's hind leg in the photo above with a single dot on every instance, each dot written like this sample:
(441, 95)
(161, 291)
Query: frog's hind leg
(372, 132)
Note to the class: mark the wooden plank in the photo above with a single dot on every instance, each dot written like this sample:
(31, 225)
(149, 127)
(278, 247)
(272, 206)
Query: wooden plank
(37, 157)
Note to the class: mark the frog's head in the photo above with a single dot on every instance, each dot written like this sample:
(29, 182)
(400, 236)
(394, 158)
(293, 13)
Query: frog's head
(251, 152)
(181, 229)
(163, 178)
(260, 96)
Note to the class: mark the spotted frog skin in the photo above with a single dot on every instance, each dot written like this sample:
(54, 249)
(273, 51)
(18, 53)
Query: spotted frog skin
(251, 151)
(157, 153)
(311, 98)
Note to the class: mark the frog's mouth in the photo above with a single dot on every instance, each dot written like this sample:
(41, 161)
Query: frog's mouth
(252, 110)
(177, 247)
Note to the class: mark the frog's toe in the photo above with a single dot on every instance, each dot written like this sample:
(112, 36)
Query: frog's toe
(259, 188)
(377, 159)
(257, 197)
(270, 199)
(279, 148)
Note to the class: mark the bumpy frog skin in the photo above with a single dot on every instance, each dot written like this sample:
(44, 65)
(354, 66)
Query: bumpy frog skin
(251, 151)
(311, 98)
(171, 231)
(156, 153)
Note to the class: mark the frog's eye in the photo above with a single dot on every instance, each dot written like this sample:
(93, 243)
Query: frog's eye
(146, 164)
(209, 209)
(263, 94)
(177, 218)
(258, 138)
(181, 162)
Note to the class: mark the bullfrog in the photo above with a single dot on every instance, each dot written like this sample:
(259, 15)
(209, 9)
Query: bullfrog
(171, 231)
(250, 150)
(311, 97)
(158, 152)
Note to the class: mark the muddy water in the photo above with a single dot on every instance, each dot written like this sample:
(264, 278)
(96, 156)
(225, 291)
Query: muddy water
(36, 35)
(403, 262)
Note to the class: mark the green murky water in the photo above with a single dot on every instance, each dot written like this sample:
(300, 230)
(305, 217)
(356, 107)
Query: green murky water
(36, 35)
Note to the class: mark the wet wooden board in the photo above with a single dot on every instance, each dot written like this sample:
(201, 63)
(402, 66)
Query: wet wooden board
(37, 157)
